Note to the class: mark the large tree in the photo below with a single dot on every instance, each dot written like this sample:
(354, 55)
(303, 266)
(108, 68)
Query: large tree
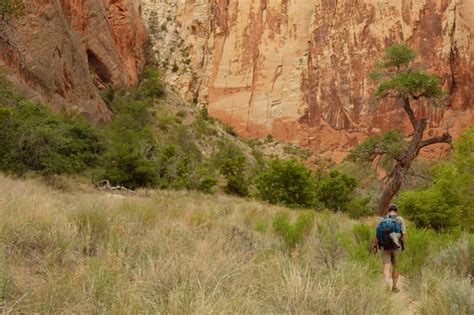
(399, 80)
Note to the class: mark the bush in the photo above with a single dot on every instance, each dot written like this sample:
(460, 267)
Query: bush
(359, 208)
(336, 190)
(233, 170)
(420, 244)
(151, 84)
(448, 203)
(363, 233)
(287, 182)
(11, 7)
(130, 159)
(430, 209)
(293, 234)
(37, 139)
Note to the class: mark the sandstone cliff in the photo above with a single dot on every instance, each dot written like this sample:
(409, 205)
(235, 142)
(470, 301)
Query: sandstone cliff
(60, 52)
(299, 69)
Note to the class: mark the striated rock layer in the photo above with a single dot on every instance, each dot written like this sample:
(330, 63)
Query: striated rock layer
(299, 69)
(60, 52)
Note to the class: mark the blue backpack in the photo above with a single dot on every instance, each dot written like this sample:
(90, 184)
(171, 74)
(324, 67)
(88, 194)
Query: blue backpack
(389, 224)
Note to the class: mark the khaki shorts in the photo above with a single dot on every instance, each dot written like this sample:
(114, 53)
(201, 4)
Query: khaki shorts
(388, 256)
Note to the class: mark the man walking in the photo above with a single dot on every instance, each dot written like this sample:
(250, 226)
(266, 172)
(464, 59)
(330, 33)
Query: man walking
(391, 232)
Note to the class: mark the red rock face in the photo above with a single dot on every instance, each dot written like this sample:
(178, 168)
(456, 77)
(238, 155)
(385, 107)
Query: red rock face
(60, 52)
(299, 70)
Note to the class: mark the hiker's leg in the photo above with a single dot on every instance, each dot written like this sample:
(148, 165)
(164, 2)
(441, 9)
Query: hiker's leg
(395, 273)
(395, 276)
(387, 267)
(387, 273)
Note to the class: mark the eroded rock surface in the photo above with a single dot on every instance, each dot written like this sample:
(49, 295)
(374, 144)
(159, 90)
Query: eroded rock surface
(299, 69)
(60, 52)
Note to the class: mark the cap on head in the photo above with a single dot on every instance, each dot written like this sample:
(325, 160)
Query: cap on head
(393, 207)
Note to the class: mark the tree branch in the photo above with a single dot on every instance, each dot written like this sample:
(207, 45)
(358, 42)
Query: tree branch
(444, 138)
(410, 113)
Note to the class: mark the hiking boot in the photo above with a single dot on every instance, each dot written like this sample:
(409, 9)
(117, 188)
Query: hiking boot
(395, 290)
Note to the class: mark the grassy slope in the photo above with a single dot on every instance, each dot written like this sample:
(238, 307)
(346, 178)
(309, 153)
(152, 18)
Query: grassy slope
(169, 252)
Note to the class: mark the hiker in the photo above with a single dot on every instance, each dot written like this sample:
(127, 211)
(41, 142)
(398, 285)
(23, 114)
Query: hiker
(391, 232)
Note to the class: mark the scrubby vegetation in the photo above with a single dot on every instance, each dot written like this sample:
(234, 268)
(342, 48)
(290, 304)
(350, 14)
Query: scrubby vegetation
(448, 203)
(70, 248)
(11, 8)
(186, 252)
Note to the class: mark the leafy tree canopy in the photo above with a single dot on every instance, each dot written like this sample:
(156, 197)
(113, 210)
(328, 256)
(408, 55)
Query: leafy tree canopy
(398, 79)
(390, 145)
(413, 84)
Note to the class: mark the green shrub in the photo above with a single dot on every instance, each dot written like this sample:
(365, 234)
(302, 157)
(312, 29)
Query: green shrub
(287, 182)
(336, 190)
(131, 156)
(293, 233)
(11, 7)
(37, 139)
(363, 233)
(359, 208)
(430, 209)
(151, 84)
(233, 170)
(203, 179)
(420, 244)
(448, 203)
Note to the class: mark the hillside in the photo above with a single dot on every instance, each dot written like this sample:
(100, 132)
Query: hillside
(182, 252)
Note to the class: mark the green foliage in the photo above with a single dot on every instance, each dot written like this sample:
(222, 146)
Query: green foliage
(151, 83)
(293, 233)
(336, 190)
(420, 246)
(233, 170)
(390, 145)
(413, 84)
(363, 233)
(287, 182)
(358, 208)
(399, 80)
(397, 56)
(34, 138)
(429, 208)
(11, 8)
(130, 159)
(448, 203)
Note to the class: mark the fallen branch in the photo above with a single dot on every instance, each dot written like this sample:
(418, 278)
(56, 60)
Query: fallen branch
(105, 185)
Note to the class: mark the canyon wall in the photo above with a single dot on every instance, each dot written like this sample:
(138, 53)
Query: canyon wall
(62, 52)
(298, 70)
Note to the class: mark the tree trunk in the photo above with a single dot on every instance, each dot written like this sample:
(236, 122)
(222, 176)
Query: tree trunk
(403, 164)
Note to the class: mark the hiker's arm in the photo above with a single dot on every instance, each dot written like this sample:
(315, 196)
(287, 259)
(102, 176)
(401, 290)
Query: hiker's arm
(375, 247)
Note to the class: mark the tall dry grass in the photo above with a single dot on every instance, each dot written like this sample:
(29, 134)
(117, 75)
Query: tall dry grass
(173, 253)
